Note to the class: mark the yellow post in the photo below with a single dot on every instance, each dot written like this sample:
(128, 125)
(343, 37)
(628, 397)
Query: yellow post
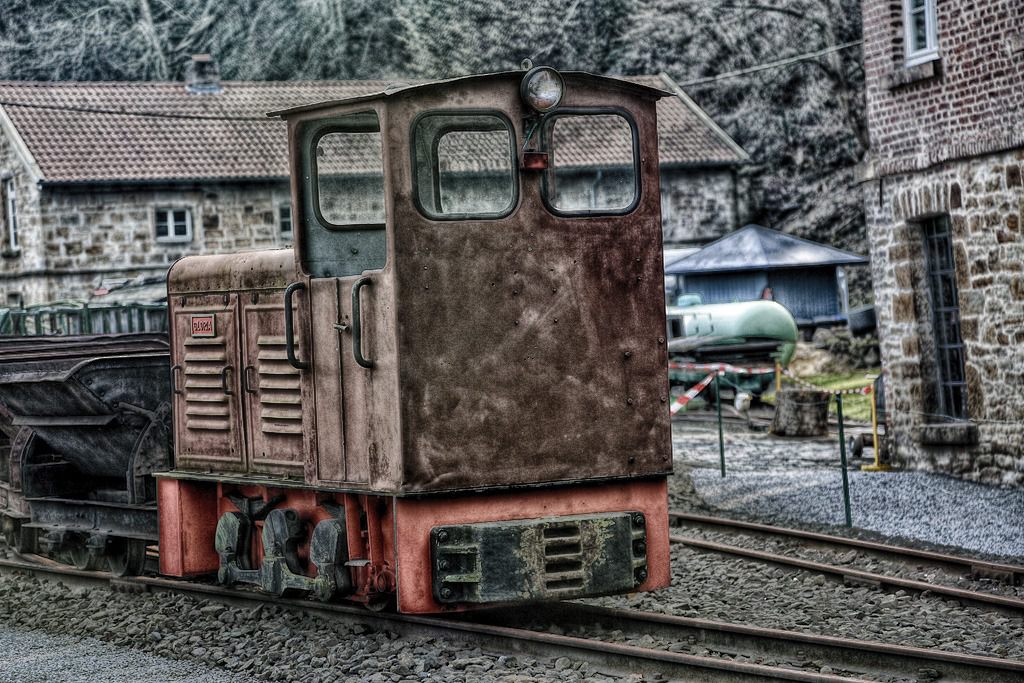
(877, 466)
(778, 377)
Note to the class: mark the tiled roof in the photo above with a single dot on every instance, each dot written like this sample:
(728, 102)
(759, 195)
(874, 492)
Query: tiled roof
(686, 134)
(73, 138)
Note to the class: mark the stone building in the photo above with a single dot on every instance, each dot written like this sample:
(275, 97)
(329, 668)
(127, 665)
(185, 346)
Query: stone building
(944, 200)
(117, 180)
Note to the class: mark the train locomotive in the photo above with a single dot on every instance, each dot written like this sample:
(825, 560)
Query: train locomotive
(451, 392)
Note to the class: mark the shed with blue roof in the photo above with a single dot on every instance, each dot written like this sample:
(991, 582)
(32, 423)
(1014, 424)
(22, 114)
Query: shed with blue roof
(757, 262)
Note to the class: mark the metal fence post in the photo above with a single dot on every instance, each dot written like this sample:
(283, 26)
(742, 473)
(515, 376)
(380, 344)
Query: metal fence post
(877, 465)
(718, 408)
(842, 459)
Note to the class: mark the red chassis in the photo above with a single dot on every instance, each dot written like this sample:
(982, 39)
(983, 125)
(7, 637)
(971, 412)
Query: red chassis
(389, 538)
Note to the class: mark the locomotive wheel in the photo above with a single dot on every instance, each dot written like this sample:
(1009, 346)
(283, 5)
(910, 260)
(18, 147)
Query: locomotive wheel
(126, 556)
(82, 558)
(17, 539)
(380, 603)
(10, 529)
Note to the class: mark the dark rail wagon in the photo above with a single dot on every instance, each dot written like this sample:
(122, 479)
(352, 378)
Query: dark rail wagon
(87, 422)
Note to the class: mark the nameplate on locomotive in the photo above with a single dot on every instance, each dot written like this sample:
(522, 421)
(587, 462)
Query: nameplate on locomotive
(203, 326)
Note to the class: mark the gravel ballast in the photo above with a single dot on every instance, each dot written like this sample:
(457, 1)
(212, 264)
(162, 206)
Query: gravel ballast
(34, 657)
(265, 643)
(710, 586)
(83, 633)
(918, 570)
(797, 482)
(914, 505)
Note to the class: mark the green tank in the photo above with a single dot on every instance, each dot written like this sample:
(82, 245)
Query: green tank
(745, 334)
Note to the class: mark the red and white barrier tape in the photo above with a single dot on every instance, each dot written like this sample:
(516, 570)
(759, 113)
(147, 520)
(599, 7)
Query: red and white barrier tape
(804, 383)
(691, 393)
(720, 367)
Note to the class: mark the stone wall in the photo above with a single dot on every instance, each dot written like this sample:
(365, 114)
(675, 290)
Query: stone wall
(75, 237)
(984, 199)
(947, 139)
(966, 102)
(30, 255)
(700, 205)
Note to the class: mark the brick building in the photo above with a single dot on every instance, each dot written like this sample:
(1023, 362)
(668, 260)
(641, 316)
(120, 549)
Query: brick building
(116, 180)
(944, 199)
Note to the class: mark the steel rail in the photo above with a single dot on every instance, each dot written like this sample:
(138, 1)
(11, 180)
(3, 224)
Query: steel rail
(758, 421)
(1010, 573)
(852, 656)
(614, 656)
(848, 574)
(858, 656)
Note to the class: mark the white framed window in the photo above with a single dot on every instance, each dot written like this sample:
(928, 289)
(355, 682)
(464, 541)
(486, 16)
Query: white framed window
(173, 224)
(920, 31)
(10, 216)
(284, 220)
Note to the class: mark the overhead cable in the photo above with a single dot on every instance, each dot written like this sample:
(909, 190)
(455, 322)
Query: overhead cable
(772, 65)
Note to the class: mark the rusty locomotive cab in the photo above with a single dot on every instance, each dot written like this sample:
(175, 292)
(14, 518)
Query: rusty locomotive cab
(454, 388)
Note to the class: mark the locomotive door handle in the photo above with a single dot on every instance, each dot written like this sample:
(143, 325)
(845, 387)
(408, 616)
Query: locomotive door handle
(289, 327)
(246, 384)
(357, 325)
(175, 369)
(225, 374)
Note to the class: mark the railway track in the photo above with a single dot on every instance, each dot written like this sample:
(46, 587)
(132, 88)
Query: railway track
(953, 565)
(688, 648)
(851, 659)
(756, 420)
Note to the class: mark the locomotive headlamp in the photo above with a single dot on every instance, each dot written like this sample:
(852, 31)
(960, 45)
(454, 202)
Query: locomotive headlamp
(542, 88)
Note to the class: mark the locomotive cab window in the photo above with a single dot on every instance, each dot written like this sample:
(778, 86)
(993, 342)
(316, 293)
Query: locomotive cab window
(343, 205)
(464, 165)
(594, 167)
(349, 177)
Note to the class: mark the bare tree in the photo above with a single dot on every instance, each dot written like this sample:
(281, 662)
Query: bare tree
(803, 123)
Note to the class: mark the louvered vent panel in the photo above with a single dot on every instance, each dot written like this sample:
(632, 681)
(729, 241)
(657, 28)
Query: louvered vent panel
(563, 557)
(280, 389)
(206, 404)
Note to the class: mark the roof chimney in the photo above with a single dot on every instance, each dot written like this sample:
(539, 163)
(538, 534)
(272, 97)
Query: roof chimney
(202, 75)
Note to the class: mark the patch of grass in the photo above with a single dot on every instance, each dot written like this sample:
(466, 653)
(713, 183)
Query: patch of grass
(856, 407)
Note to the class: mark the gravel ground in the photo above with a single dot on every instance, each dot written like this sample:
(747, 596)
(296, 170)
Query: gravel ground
(710, 586)
(797, 482)
(262, 643)
(696, 445)
(916, 505)
(694, 647)
(857, 560)
(34, 657)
